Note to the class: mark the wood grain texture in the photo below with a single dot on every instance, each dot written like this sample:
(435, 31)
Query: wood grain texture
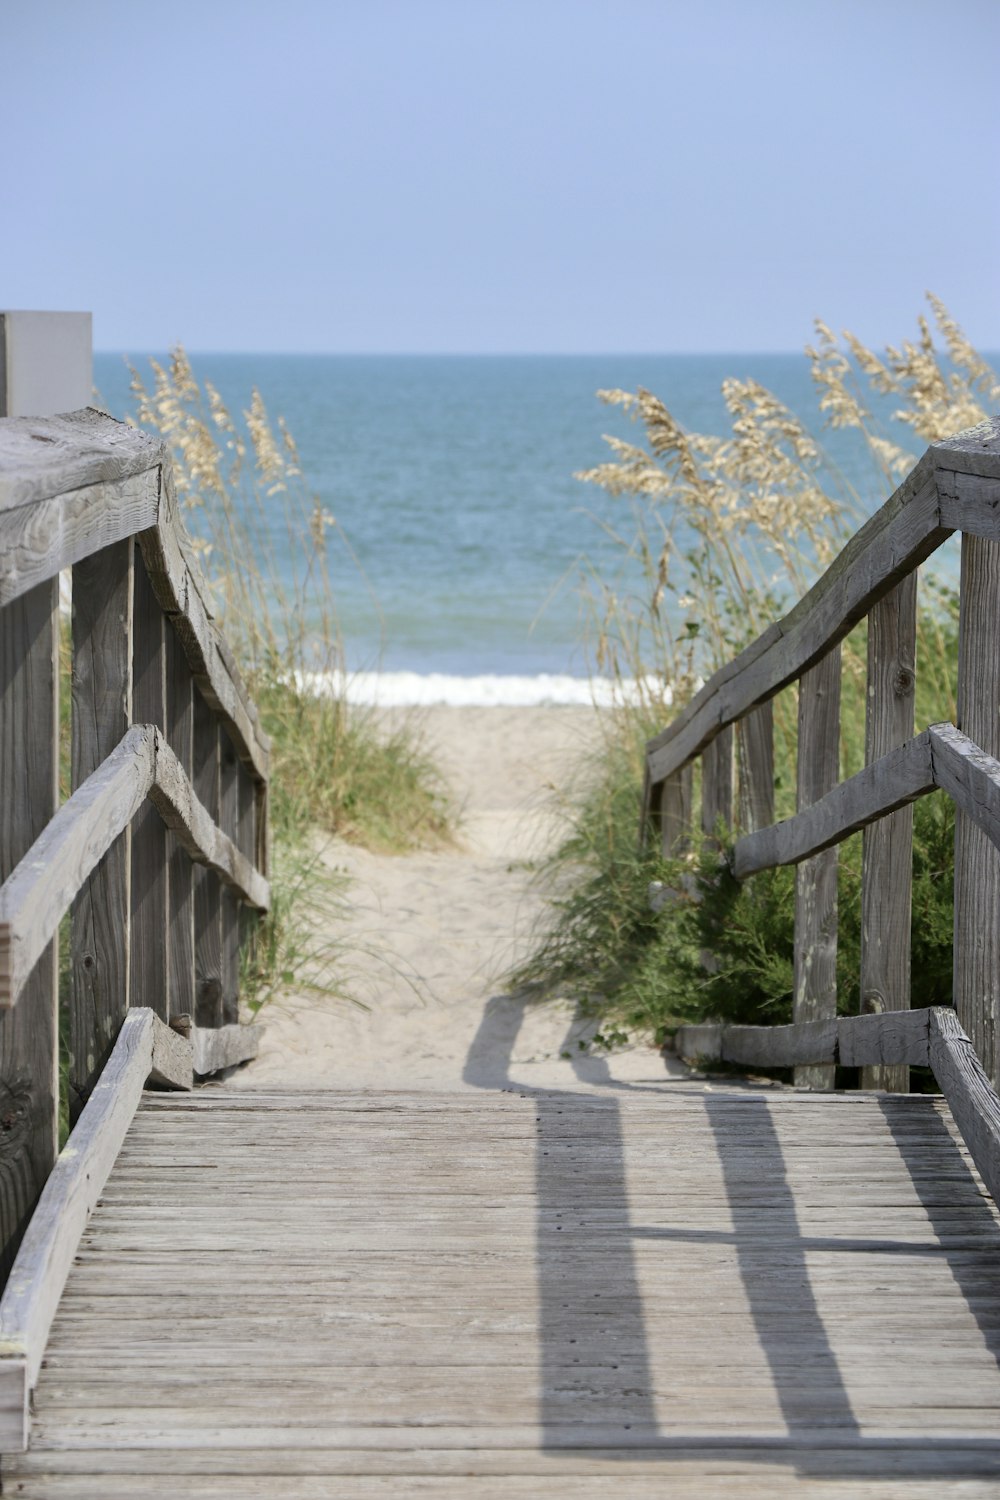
(755, 741)
(887, 849)
(180, 737)
(976, 978)
(102, 714)
(717, 784)
(29, 755)
(207, 886)
(895, 1038)
(220, 1047)
(35, 1285)
(676, 811)
(172, 1059)
(680, 1291)
(818, 761)
(970, 1094)
(969, 776)
(149, 922)
(897, 779)
(74, 842)
(44, 457)
(229, 822)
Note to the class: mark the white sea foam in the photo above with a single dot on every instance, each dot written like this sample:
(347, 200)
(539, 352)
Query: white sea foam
(415, 689)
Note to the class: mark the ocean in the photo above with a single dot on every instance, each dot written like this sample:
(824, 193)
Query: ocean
(451, 477)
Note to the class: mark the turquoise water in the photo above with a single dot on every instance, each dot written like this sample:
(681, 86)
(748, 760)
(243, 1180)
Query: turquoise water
(452, 478)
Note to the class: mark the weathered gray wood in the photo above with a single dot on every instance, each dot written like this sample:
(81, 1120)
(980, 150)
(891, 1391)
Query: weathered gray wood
(974, 451)
(976, 982)
(32, 1294)
(755, 738)
(207, 887)
(44, 457)
(969, 1092)
(717, 784)
(180, 737)
(102, 713)
(895, 1038)
(883, 1040)
(700, 1041)
(815, 997)
(969, 776)
(676, 796)
(29, 756)
(42, 538)
(218, 1047)
(44, 882)
(897, 779)
(71, 846)
(888, 547)
(887, 854)
(229, 821)
(808, 1042)
(149, 928)
(172, 1058)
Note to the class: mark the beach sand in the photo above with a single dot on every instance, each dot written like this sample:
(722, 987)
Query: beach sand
(429, 937)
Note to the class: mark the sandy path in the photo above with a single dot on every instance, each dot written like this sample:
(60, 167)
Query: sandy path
(433, 934)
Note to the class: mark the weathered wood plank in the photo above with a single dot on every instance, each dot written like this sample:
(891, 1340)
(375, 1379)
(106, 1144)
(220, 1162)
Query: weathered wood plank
(29, 755)
(207, 886)
(755, 739)
(969, 1092)
(42, 458)
(815, 996)
(102, 713)
(898, 778)
(229, 822)
(149, 927)
(39, 540)
(717, 784)
(172, 1058)
(32, 1294)
(896, 1038)
(880, 1040)
(218, 1047)
(676, 797)
(976, 981)
(887, 852)
(969, 776)
(76, 839)
(180, 737)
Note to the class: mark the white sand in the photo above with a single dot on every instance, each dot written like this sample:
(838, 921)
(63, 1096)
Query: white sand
(432, 935)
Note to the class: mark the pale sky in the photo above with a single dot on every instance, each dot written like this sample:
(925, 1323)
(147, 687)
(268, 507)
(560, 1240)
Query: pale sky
(499, 175)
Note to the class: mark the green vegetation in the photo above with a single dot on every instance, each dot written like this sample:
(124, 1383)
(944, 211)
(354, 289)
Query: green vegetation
(728, 531)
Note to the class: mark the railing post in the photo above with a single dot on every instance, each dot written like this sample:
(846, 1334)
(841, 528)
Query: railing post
(977, 861)
(816, 878)
(887, 845)
(717, 783)
(180, 736)
(207, 886)
(229, 817)
(149, 970)
(102, 712)
(29, 754)
(676, 795)
(755, 738)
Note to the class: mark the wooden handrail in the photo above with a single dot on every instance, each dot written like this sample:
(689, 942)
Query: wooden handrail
(160, 854)
(954, 487)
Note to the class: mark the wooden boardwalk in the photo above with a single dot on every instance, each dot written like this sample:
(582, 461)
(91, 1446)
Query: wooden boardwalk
(684, 1290)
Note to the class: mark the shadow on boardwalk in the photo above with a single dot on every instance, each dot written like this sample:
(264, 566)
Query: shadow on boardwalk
(594, 1350)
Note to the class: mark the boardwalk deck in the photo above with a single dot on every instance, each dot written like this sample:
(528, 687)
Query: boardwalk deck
(685, 1289)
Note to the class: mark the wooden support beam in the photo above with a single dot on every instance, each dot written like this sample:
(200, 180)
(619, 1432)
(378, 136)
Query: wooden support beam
(887, 852)
(717, 784)
(815, 995)
(102, 713)
(976, 984)
(207, 887)
(180, 737)
(676, 796)
(229, 822)
(29, 755)
(149, 965)
(755, 740)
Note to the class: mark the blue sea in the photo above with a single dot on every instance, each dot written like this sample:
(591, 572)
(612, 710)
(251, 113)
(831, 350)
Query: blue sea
(451, 477)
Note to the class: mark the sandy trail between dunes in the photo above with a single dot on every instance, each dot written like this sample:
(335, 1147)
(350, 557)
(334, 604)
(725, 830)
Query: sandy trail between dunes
(430, 936)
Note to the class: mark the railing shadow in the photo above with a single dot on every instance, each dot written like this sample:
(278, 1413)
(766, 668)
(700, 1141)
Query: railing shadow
(597, 1382)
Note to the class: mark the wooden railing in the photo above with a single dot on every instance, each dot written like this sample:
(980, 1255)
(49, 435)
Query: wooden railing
(159, 856)
(954, 487)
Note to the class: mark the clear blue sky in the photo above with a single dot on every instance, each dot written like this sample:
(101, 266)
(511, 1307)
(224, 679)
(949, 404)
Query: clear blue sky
(499, 175)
